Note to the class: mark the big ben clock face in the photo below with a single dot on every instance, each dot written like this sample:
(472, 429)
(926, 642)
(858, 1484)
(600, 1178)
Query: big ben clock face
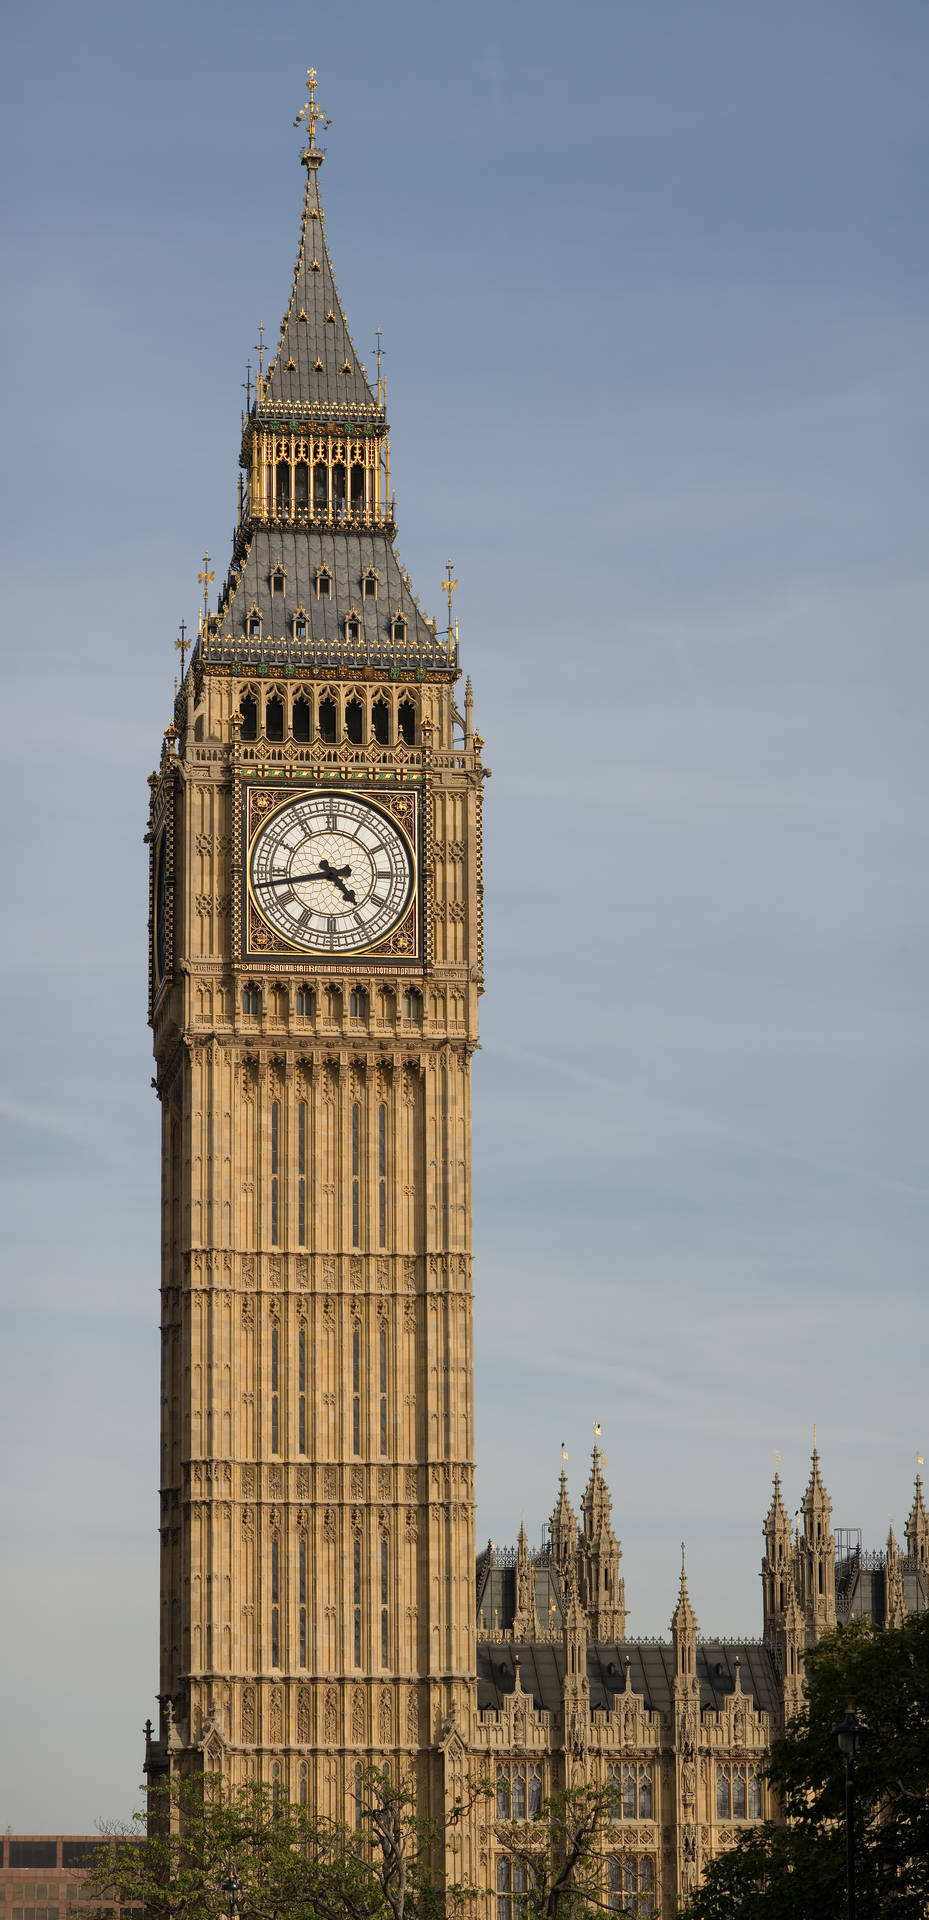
(330, 873)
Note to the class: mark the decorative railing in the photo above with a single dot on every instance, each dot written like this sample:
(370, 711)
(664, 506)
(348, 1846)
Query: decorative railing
(282, 514)
(394, 659)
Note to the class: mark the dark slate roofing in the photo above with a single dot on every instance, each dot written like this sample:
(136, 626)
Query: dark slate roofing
(496, 1590)
(316, 348)
(541, 1669)
(347, 557)
(861, 1587)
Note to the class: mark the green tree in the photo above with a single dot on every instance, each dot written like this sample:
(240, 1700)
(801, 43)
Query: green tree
(797, 1871)
(205, 1850)
(561, 1855)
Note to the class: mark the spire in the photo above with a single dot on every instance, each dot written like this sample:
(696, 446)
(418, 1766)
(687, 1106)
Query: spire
(777, 1567)
(524, 1621)
(599, 1555)
(917, 1529)
(683, 1619)
(816, 1500)
(817, 1554)
(316, 365)
(563, 1525)
(315, 580)
(575, 1686)
(894, 1603)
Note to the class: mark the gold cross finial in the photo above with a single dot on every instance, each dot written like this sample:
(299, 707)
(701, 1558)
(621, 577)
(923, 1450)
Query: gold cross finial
(309, 111)
(181, 645)
(206, 579)
(451, 586)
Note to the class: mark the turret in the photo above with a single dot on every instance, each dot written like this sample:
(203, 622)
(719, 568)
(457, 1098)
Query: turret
(777, 1567)
(917, 1530)
(789, 1638)
(894, 1603)
(575, 1687)
(599, 1554)
(816, 1557)
(686, 1697)
(563, 1529)
(524, 1620)
(684, 1641)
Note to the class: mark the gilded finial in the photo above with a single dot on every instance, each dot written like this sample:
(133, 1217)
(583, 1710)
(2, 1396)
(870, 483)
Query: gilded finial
(380, 381)
(206, 579)
(181, 644)
(309, 111)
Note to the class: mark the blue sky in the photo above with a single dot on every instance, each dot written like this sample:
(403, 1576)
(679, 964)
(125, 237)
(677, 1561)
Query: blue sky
(653, 286)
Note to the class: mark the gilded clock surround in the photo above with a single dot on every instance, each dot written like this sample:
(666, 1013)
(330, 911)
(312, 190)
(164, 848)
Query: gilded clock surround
(400, 943)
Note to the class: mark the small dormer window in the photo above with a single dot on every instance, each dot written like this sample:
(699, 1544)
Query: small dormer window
(253, 624)
(300, 624)
(398, 627)
(278, 580)
(323, 583)
(369, 584)
(352, 626)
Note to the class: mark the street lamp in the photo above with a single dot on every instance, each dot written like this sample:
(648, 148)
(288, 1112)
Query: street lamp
(232, 1888)
(848, 1734)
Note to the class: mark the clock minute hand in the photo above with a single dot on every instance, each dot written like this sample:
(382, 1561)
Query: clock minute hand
(290, 879)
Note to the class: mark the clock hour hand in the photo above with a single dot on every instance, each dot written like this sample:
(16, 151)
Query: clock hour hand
(335, 875)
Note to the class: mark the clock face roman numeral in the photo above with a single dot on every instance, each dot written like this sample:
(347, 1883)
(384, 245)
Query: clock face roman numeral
(330, 877)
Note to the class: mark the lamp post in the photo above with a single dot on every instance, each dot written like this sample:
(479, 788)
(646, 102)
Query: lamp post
(848, 1733)
(232, 1888)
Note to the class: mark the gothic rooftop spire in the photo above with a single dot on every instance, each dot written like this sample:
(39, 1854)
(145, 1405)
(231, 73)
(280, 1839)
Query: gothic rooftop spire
(316, 367)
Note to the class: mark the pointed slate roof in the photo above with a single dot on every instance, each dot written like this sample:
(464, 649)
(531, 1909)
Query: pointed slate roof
(776, 1518)
(683, 1619)
(816, 1500)
(316, 365)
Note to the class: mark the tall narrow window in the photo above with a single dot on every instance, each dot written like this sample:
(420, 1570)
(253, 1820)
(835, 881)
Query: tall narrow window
(359, 1801)
(327, 721)
(356, 1391)
(304, 1784)
(354, 722)
(380, 722)
(276, 1790)
(356, 1589)
(274, 718)
(383, 1387)
(275, 1390)
(275, 1171)
(301, 1169)
(249, 710)
(301, 709)
(358, 1003)
(356, 1177)
(385, 1602)
(302, 1603)
(406, 721)
(723, 1798)
(382, 1176)
(301, 1391)
(275, 1603)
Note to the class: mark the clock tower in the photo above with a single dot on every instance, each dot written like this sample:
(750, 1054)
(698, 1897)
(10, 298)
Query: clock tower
(315, 970)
